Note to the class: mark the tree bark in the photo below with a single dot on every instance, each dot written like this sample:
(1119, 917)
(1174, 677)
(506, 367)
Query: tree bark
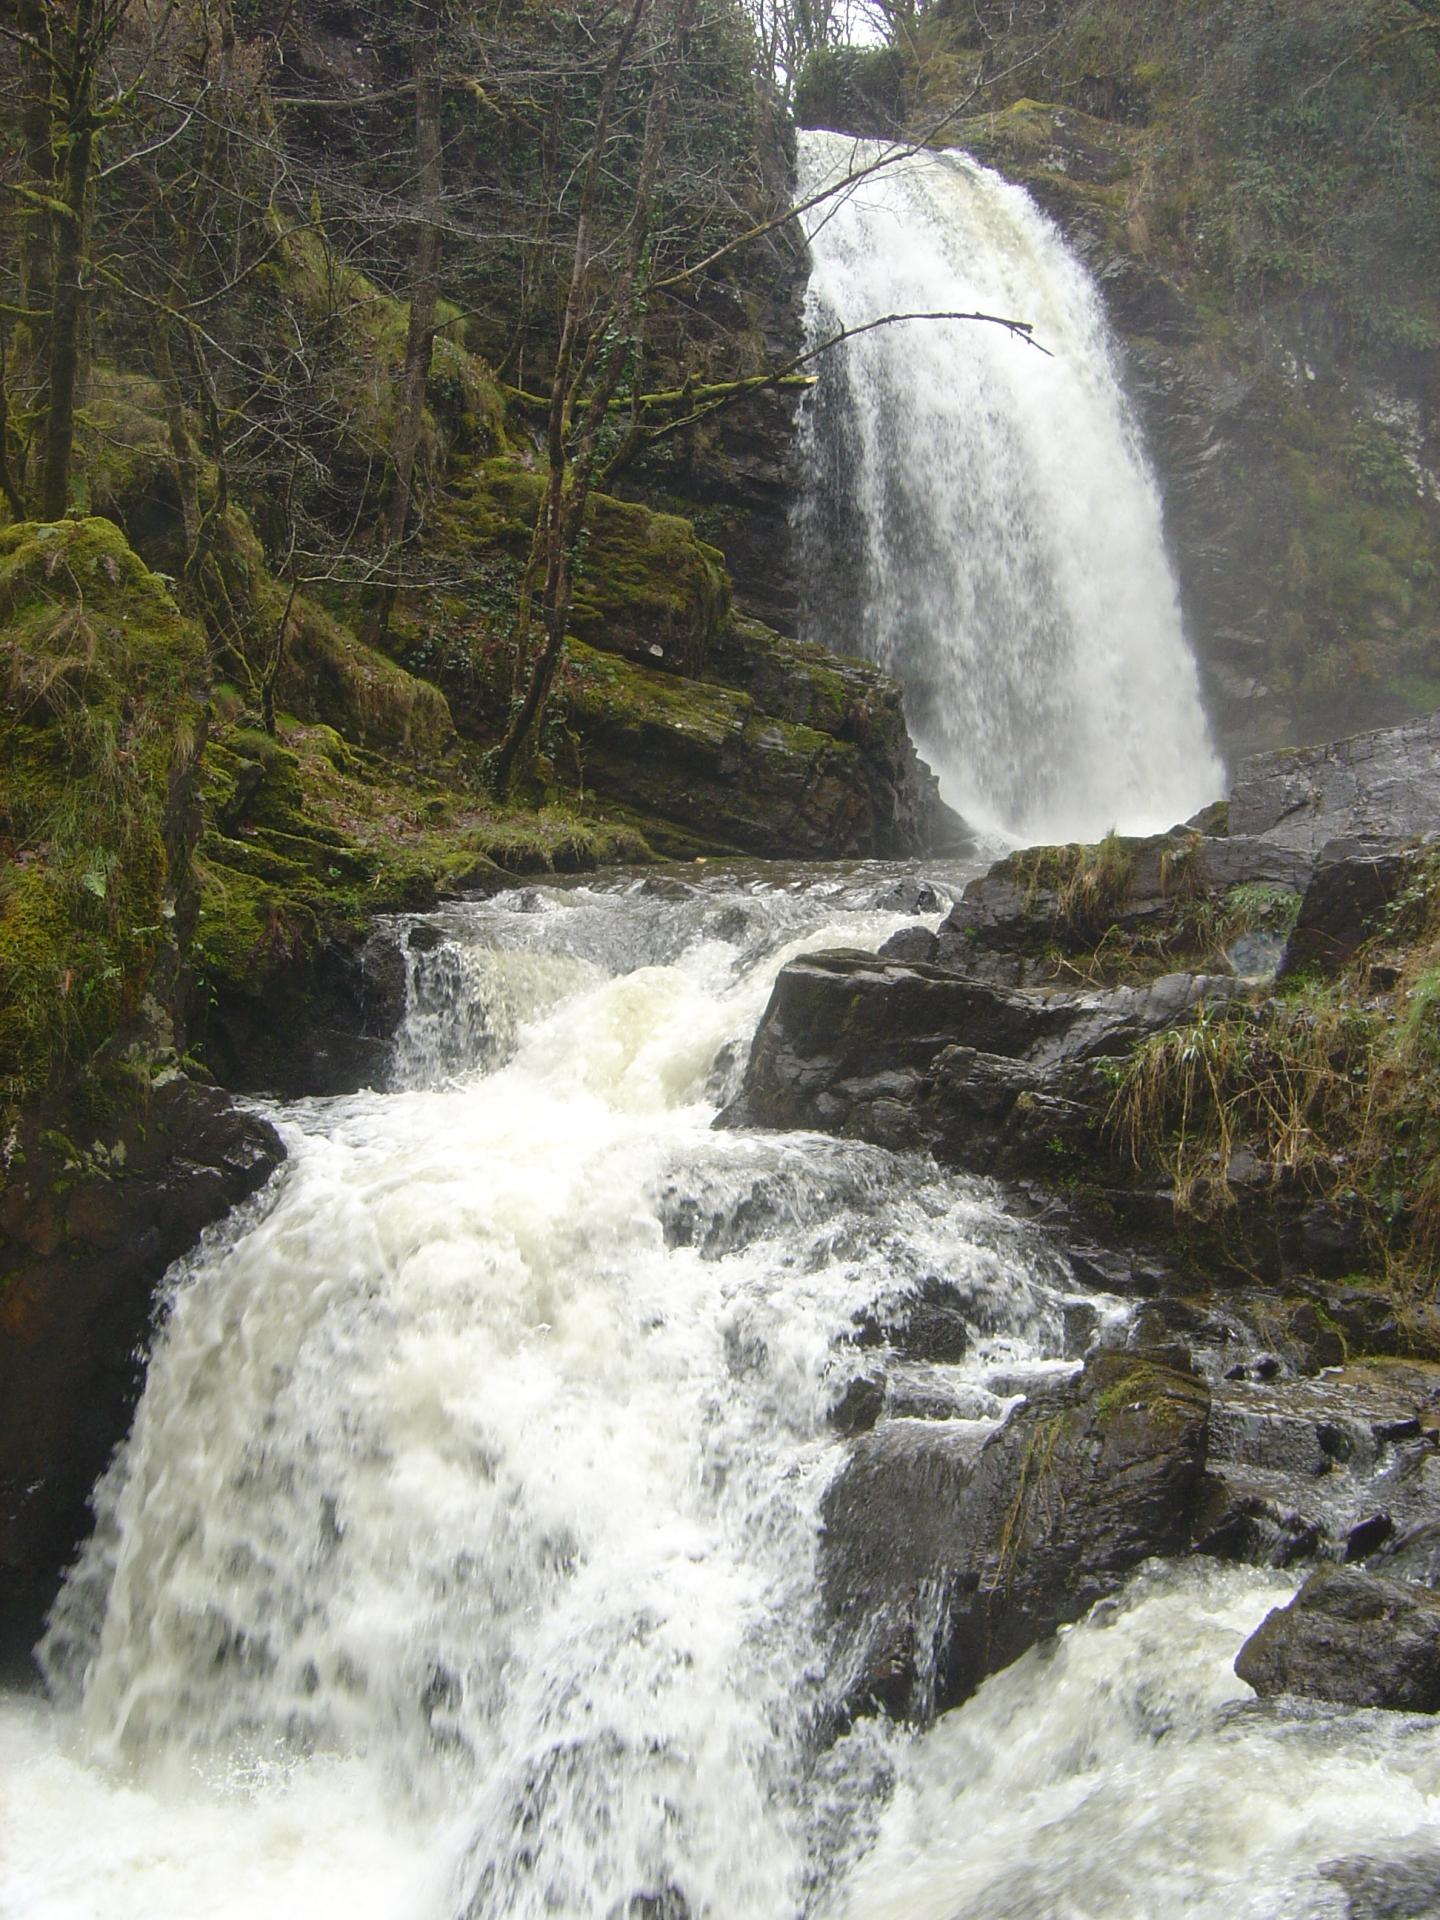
(572, 446)
(71, 233)
(420, 330)
(36, 258)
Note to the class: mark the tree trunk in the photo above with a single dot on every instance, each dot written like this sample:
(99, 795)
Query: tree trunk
(67, 312)
(420, 332)
(35, 227)
(571, 463)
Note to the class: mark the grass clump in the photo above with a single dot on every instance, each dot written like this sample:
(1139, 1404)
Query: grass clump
(1330, 1089)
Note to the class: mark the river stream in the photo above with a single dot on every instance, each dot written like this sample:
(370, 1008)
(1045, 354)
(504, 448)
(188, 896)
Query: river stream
(461, 1562)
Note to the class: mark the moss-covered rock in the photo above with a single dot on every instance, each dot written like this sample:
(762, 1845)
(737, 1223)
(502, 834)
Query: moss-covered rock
(104, 684)
(1076, 1489)
(332, 678)
(710, 768)
(359, 334)
(309, 837)
(645, 586)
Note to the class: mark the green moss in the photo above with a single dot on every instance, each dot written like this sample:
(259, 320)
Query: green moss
(308, 836)
(329, 675)
(363, 330)
(103, 681)
(126, 467)
(644, 584)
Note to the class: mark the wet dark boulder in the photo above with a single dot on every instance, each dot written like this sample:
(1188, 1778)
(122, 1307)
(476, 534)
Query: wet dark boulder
(1345, 901)
(1406, 1887)
(1351, 1637)
(942, 1563)
(324, 1024)
(87, 1229)
(995, 1079)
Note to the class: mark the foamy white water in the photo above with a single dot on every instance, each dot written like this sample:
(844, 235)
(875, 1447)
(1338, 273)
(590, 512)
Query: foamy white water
(980, 518)
(461, 1562)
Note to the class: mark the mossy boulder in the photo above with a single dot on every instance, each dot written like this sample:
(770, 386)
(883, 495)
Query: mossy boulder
(333, 678)
(307, 839)
(361, 332)
(645, 587)
(709, 769)
(104, 685)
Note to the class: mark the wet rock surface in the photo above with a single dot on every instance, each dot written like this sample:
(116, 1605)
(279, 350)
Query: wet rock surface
(993, 1078)
(1384, 784)
(325, 1025)
(987, 1041)
(1341, 1466)
(952, 1545)
(86, 1233)
(1352, 884)
(942, 1563)
(1352, 1637)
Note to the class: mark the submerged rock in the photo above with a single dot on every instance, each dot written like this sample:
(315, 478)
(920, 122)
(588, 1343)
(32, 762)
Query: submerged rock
(1350, 1637)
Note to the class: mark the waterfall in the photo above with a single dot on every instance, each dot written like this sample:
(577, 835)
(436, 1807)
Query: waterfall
(978, 515)
(461, 1564)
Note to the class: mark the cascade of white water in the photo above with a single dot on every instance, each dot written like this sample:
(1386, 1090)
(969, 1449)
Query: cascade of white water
(483, 1455)
(978, 516)
(461, 1563)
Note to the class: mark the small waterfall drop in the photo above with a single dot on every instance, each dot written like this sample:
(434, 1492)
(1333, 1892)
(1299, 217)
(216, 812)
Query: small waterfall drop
(980, 518)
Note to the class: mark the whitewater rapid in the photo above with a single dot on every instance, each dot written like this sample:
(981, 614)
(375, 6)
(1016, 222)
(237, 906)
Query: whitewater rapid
(461, 1562)
(978, 516)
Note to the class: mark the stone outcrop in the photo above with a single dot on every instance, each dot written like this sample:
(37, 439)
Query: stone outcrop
(87, 1229)
(1382, 784)
(1351, 1637)
(940, 1565)
(814, 762)
(324, 1023)
(994, 1041)
(1340, 1466)
(996, 1044)
(909, 1054)
(112, 1160)
(704, 729)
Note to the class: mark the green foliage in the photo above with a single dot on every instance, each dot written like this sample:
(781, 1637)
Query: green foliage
(1257, 906)
(102, 681)
(310, 834)
(857, 88)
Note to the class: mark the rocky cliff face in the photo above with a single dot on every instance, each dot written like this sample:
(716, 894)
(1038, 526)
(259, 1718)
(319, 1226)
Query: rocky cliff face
(1306, 579)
